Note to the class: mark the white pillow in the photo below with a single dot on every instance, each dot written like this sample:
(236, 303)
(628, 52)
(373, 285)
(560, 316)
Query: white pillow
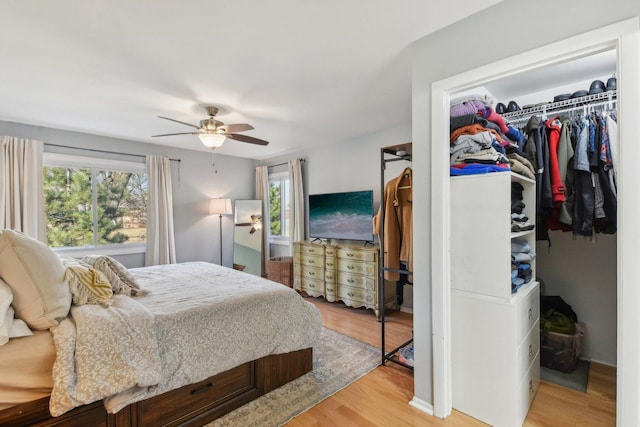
(9, 326)
(35, 274)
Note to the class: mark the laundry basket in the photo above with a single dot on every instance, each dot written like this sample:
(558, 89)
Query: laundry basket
(280, 269)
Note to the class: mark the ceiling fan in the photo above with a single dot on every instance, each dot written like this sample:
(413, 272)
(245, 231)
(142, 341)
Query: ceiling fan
(255, 224)
(213, 133)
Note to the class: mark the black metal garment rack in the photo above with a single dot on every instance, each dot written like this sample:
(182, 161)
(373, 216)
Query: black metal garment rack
(390, 154)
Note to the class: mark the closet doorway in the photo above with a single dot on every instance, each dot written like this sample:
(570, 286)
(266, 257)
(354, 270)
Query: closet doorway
(622, 39)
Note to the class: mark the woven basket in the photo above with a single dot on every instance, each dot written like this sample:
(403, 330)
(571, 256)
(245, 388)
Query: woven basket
(280, 269)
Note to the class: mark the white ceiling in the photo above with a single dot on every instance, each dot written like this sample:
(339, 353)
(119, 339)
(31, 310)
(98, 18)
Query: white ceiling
(301, 72)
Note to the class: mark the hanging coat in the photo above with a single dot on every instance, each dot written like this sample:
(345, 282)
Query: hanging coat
(398, 224)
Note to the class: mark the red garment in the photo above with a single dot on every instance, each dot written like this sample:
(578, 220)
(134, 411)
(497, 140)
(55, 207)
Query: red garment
(557, 187)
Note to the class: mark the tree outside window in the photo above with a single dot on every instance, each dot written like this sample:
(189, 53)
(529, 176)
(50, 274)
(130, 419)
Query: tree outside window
(279, 206)
(91, 207)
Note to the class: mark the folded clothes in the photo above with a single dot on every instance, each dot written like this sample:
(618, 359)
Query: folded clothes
(523, 256)
(519, 245)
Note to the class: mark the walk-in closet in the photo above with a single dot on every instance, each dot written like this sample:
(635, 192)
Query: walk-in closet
(498, 352)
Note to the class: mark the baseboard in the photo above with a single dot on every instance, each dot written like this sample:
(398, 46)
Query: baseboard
(421, 405)
(406, 309)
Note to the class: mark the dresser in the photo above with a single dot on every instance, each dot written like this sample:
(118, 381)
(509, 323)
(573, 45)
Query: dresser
(495, 358)
(336, 272)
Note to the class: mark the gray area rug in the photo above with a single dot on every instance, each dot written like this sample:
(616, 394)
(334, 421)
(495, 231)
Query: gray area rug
(576, 380)
(338, 361)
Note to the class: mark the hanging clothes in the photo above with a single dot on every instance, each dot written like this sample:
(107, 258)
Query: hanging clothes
(398, 224)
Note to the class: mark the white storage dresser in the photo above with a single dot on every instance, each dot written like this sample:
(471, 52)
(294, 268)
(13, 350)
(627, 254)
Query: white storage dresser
(495, 344)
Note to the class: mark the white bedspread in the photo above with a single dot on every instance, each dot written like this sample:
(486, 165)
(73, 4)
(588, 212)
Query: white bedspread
(197, 320)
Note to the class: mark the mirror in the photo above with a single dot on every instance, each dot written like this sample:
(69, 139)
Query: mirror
(247, 237)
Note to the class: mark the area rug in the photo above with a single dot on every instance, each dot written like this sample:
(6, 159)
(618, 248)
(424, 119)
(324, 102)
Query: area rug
(576, 380)
(338, 361)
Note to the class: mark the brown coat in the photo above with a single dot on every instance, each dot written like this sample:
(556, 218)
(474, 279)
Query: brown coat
(398, 223)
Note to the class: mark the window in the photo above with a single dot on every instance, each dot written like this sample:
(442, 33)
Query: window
(95, 203)
(279, 207)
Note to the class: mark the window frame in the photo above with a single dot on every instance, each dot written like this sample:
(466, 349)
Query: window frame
(93, 163)
(285, 202)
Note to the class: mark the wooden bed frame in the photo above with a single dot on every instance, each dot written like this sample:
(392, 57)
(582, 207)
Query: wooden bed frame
(191, 405)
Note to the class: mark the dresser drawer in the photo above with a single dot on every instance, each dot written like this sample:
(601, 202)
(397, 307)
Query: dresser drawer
(528, 350)
(313, 286)
(330, 251)
(330, 276)
(312, 273)
(312, 261)
(356, 254)
(356, 295)
(330, 262)
(357, 281)
(527, 313)
(527, 389)
(312, 250)
(367, 268)
(187, 401)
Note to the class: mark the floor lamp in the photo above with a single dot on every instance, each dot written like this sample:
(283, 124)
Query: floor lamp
(220, 207)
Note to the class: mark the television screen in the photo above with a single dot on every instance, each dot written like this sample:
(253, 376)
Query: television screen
(341, 215)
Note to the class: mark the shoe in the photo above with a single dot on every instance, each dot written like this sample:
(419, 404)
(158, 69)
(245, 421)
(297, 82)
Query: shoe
(611, 84)
(597, 86)
(500, 108)
(579, 94)
(513, 106)
(406, 355)
(562, 97)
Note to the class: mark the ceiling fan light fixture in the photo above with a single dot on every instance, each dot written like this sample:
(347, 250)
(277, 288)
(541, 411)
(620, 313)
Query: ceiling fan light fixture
(212, 140)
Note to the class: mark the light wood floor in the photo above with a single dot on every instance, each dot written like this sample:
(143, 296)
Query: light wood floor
(381, 397)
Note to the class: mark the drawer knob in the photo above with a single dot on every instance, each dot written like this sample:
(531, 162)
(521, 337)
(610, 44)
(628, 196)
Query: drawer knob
(530, 386)
(311, 273)
(330, 264)
(351, 281)
(530, 351)
(351, 294)
(350, 267)
(202, 389)
(349, 254)
(530, 314)
(311, 261)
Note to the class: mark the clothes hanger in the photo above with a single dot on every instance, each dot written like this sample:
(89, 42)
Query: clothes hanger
(407, 173)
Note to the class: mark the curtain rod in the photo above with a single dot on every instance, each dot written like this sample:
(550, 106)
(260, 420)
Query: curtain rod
(285, 163)
(103, 151)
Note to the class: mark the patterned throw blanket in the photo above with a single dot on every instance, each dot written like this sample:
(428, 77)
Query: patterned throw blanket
(197, 320)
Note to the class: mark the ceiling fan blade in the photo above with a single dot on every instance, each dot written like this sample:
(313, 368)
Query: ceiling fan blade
(245, 138)
(172, 134)
(240, 127)
(178, 121)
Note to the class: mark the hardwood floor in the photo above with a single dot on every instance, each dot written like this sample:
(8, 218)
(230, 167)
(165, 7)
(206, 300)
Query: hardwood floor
(381, 397)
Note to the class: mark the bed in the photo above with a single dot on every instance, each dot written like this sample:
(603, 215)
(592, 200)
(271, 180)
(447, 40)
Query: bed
(195, 341)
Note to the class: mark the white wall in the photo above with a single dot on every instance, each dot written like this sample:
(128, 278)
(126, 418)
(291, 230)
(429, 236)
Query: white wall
(509, 28)
(350, 167)
(194, 183)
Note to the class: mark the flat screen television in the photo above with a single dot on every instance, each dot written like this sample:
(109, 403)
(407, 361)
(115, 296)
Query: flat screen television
(344, 216)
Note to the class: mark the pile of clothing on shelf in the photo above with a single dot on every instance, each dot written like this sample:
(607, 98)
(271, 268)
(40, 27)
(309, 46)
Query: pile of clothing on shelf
(519, 221)
(521, 257)
(480, 140)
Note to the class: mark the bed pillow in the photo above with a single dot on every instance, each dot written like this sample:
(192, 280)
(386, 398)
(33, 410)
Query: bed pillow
(35, 275)
(10, 327)
(87, 285)
(122, 281)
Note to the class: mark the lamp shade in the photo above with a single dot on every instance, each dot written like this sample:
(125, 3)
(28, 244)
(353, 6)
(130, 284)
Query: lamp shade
(220, 207)
(212, 140)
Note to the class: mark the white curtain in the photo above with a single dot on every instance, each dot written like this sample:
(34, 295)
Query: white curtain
(296, 209)
(21, 196)
(160, 239)
(262, 193)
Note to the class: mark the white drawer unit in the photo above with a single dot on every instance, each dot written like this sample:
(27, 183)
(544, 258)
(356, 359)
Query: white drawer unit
(495, 334)
(340, 273)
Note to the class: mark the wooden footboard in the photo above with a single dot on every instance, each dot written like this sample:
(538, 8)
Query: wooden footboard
(194, 404)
